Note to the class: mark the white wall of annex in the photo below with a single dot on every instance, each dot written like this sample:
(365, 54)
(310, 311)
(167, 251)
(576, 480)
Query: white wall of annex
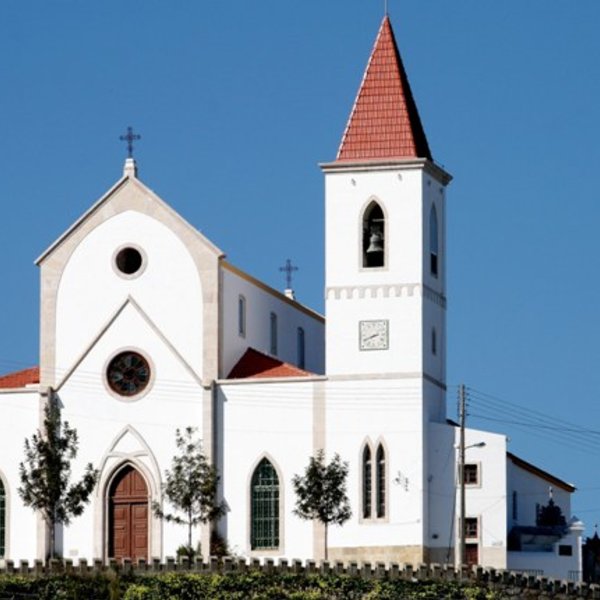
(532, 491)
(259, 305)
(388, 411)
(173, 400)
(257, 420)
(487, 499)
(91, 290)
(441, 474)
(21, 420)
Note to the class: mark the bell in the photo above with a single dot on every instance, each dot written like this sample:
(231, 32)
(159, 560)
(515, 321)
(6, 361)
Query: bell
(375, 243)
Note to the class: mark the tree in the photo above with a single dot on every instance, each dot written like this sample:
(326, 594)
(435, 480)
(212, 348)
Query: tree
(190, 486)
(46, 473)
(321, 492)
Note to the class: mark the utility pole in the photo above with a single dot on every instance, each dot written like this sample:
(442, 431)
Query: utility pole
(461, 473)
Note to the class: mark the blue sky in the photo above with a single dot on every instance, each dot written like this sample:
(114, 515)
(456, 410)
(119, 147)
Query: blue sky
(238, 102)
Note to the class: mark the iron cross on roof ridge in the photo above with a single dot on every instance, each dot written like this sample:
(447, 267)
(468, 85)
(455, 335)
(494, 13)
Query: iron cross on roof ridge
(288, 269)
(130, 137)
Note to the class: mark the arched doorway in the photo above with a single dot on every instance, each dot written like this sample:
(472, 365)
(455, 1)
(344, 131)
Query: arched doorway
(128, 515)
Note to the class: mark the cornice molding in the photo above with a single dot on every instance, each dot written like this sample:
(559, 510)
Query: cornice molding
(396, 290)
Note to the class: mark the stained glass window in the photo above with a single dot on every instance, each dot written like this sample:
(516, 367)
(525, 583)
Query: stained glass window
(265, 507)
(367, 482)
(380, 490)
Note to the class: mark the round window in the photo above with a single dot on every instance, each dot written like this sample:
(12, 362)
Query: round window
(129, 260)
(128, 373)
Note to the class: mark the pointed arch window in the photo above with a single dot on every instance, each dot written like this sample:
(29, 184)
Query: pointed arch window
(300, 340)
(2, 520)
(433, 242)
(264, 498)
(367, 482)
(380, 499)
(273, 333)
(373, 236)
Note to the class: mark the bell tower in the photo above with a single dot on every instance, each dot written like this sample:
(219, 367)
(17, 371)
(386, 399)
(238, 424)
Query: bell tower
(385, 202)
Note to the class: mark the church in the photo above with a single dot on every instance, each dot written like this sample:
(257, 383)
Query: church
(145, 328)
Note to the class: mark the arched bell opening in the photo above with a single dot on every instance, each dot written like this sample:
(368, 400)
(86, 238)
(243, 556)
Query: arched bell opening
(373, 236)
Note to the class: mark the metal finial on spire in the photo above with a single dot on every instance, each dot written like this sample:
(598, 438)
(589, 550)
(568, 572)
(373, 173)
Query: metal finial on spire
(385, 7)
(130, 137)
(288, 269)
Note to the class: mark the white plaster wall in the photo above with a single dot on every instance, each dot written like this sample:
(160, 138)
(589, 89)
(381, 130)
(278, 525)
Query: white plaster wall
(380, 410)
(532, 490)
(443, 509)
(393, 292)
(551, 564)
(20, 420)
(174, 400)
(399, 193)
(259, 305)
(257, 420)
(404, 354)
(91, 290)
(488, 499)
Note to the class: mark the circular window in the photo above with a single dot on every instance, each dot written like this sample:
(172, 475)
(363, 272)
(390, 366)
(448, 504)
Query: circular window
(128, 373)
(129, 260)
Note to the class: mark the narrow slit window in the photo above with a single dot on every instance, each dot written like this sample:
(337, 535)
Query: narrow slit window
(373, 236)
(367, 485)
(273, 333)
(515, 506)
(380, 489)
(433, 242)
(301, 348)
(433, 341)
(242, 316)
(264, 498)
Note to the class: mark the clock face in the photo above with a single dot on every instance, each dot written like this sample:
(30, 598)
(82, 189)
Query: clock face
(373, 335)
(128, 373)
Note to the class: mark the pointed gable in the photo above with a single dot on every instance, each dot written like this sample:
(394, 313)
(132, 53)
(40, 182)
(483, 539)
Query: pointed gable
(384, 123)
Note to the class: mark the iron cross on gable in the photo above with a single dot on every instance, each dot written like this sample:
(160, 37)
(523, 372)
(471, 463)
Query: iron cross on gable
(288, 269)
(130, 137)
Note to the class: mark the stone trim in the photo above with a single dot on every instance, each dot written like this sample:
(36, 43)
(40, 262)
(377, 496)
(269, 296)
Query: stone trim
(273, 292)
(437, 172)
(107, 326)
(395, 290)
(281, 548)
(129, 194)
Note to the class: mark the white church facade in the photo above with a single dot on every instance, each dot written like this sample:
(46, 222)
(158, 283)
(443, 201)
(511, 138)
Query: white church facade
(146, 328)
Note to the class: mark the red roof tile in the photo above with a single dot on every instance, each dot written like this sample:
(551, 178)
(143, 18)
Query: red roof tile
(20, 378)
(384, 122)
(255, 364)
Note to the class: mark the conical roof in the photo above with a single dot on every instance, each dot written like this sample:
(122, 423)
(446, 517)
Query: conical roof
(385, 122)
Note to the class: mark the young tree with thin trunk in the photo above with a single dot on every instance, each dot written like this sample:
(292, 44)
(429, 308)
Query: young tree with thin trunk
(321, 492)
(46, 473)
(190, 487)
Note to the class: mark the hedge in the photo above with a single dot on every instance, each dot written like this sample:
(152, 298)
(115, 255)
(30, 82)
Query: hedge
(236, 586)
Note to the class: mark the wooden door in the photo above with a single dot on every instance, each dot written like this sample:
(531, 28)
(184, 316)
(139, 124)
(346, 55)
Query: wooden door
(128, 516)
(472, 552)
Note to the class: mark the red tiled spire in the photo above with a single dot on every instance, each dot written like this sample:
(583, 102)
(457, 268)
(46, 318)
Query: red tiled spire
(384, 122)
